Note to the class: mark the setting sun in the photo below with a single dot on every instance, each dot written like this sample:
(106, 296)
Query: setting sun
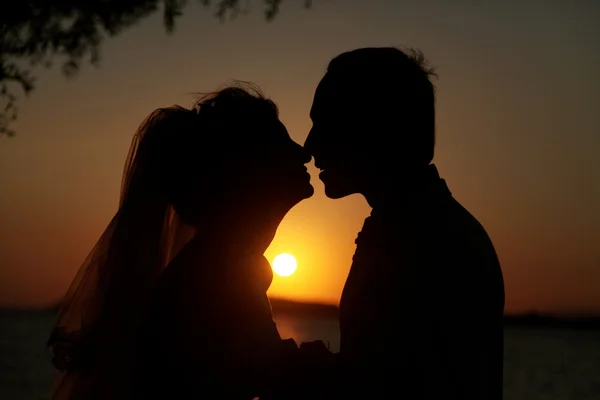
(284, 264)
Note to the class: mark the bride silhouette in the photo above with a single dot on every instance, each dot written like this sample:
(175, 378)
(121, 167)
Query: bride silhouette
(171, 302)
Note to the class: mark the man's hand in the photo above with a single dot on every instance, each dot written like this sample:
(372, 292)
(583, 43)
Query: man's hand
(316, 354)
(317, 346)
(289, 346)
(316, 349)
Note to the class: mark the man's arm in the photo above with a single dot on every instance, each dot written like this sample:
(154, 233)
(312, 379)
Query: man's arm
(390, 335)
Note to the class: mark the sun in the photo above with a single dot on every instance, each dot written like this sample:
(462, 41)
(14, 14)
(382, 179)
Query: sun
(284, 264)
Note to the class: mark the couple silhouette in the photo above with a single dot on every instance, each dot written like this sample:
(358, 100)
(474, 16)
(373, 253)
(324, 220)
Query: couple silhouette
(171, 303)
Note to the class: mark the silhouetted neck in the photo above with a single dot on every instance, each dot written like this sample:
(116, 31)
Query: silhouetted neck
(239, 230)
(391, 190)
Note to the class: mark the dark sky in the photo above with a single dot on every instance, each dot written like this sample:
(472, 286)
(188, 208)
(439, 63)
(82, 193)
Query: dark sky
(518, 136)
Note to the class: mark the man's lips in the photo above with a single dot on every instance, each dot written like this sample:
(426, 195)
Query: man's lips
(322, 169)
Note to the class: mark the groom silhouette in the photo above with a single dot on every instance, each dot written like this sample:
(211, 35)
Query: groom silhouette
(421, 311)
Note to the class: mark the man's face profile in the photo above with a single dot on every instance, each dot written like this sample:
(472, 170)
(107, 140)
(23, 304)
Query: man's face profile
(332, 140)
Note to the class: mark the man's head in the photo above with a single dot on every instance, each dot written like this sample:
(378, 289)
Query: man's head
(373, 118)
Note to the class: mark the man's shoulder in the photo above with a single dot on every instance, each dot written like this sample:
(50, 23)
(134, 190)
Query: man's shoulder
(441, 232)
(431, 216)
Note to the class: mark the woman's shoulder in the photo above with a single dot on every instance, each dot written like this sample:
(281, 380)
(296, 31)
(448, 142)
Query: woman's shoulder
(190, 280)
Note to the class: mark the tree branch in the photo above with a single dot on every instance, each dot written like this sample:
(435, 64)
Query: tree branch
(35, 32)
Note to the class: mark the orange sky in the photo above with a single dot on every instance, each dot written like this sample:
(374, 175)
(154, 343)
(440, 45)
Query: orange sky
(518, 94)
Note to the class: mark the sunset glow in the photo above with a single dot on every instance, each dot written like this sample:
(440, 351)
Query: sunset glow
(284, 264)
(516, 137)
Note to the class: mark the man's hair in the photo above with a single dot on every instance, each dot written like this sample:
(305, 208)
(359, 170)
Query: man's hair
(396, 85)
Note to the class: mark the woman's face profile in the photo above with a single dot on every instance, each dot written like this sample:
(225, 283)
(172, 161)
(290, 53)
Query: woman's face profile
(249, 164)
(275, 163)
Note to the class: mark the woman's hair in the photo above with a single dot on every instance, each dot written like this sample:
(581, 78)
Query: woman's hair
(238, 98)
(102, 312)
(204, 140)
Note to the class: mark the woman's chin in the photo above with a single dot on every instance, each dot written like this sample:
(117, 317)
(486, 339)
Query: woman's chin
(307, 191)
(300, 192)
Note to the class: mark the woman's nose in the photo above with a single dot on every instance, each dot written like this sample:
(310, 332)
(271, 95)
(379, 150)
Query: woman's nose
(303, 154)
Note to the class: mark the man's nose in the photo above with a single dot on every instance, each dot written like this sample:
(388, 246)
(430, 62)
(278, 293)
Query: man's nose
(309, 143)
(304, 154)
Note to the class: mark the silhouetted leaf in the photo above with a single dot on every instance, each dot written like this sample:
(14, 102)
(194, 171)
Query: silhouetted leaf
(35, 32)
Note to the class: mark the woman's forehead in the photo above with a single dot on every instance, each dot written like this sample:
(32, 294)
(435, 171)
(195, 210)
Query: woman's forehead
(266, 129)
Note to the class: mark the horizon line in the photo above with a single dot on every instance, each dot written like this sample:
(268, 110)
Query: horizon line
(329, 305)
